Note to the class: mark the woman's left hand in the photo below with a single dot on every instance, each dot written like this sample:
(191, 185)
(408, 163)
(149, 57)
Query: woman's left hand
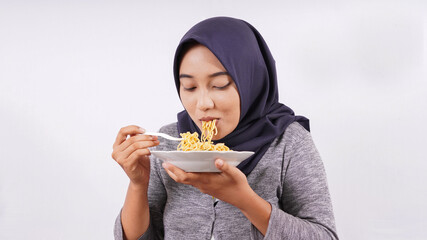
(230, 185)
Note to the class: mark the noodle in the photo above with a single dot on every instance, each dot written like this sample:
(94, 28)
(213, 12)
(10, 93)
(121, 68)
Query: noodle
(191, 142)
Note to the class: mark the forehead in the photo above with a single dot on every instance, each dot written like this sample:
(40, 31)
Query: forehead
(199, 58)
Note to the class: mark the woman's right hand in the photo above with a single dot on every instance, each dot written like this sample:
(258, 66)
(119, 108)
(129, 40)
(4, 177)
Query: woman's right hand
(132, 153)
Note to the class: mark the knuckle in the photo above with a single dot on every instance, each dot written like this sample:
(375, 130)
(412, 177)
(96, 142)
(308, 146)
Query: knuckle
(122, 130)
(142, 137)
(142, 151)
(121, 162)
(139, 152)
(185, 178)
(139, 145)
(180, 179)
(131, 140)
(134, 146)
(131, 148)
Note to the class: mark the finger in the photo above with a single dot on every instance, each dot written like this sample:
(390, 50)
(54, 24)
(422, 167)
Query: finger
(224, 167)
(140, 145)
(125, 131)
(132, 144)
(171, 174)
(134, 139)
(132, 161)
(138, 155)
(178, 174)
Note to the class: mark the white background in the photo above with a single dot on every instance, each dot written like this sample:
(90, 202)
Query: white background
(72, 73)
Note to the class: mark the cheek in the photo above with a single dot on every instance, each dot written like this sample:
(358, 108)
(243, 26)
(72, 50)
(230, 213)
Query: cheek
(230, 103)
(221, 100)
(187, 100)
(235, 105)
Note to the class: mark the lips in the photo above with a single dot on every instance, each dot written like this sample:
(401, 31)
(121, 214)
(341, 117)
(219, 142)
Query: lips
(207, 119)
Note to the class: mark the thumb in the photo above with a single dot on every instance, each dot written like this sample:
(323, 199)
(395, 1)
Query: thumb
(224, 167)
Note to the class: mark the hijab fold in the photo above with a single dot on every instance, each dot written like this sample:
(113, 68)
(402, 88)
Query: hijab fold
(246, 57)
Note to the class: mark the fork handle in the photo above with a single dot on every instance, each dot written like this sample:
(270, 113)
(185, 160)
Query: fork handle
(163, 136)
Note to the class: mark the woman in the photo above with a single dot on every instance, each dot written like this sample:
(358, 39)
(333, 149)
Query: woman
(224, 70)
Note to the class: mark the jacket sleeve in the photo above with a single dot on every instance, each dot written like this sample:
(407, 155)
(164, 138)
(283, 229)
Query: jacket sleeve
(156, 201)
(305, 209)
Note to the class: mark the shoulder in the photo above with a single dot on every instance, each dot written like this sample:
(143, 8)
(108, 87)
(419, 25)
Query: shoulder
(295, 133)
(171, 129)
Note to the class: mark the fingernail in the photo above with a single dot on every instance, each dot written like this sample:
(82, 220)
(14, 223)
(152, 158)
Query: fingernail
(165, 165)
(220, 162)
(142, 130)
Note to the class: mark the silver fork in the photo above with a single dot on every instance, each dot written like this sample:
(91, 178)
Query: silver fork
(163, 135)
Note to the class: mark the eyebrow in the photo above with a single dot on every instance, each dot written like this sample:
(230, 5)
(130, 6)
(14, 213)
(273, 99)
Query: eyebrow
(210, 76)
(218, 74)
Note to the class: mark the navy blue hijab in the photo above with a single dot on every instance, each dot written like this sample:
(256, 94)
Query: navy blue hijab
(245, 55)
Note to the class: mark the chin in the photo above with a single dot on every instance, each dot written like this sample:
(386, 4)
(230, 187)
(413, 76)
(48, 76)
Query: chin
(217, 137)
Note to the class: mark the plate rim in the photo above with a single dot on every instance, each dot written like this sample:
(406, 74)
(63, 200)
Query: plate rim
(199, 151)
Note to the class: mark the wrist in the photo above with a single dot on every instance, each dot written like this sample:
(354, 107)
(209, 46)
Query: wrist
(256, 210)
(138, 187)
(247, 198)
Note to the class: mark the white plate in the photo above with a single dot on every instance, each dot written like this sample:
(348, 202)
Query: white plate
(201, 161)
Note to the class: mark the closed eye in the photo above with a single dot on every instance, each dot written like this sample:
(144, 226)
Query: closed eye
(222, 87)
(189, 88)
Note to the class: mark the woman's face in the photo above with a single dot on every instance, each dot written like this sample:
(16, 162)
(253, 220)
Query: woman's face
(207, 91)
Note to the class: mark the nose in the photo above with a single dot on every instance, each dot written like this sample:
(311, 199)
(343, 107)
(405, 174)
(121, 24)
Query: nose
(204, 101)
